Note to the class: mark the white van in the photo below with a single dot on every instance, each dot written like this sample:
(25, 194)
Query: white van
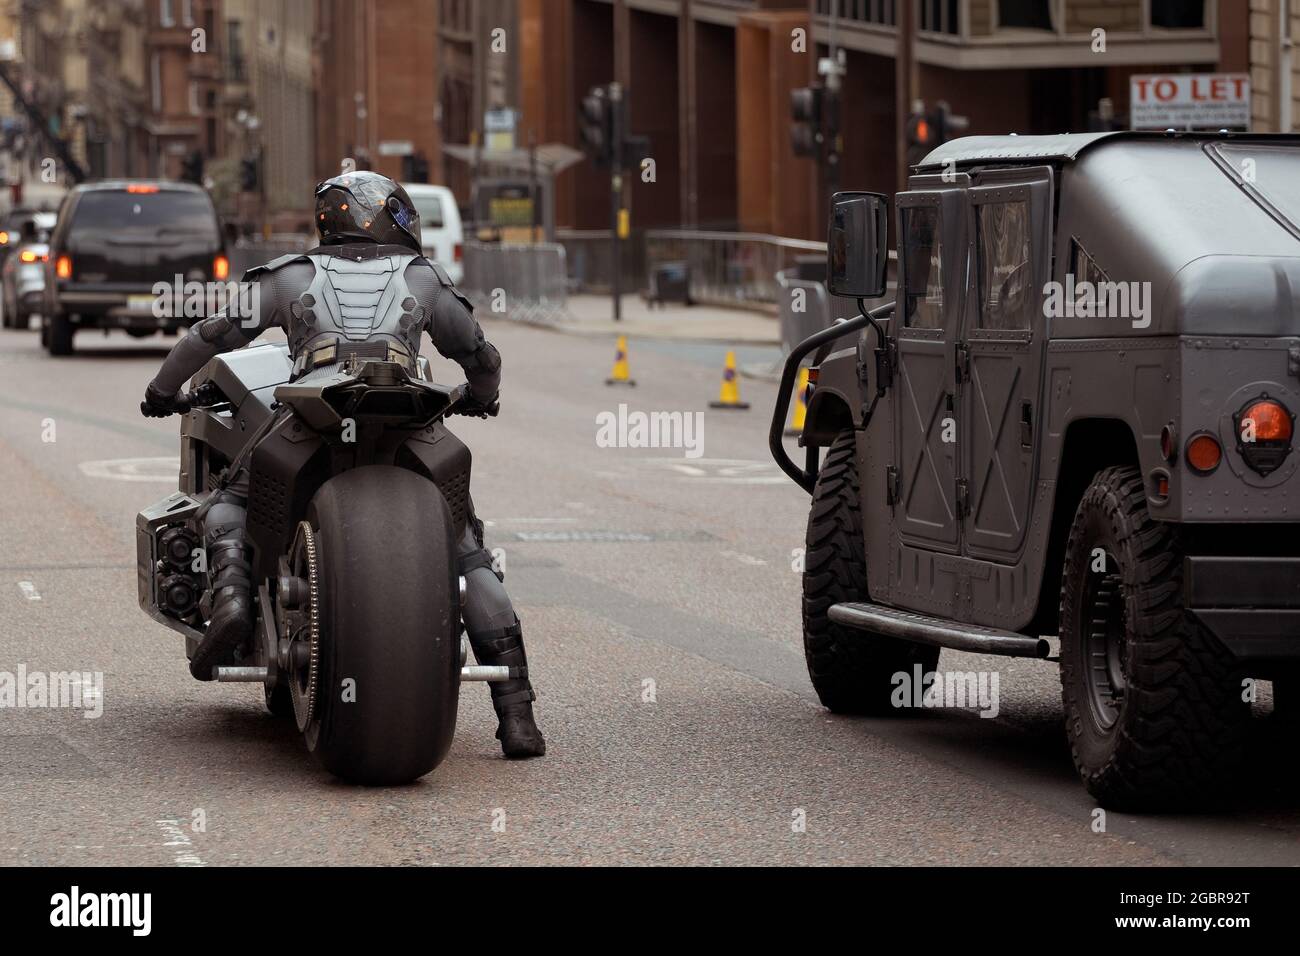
(440, 229)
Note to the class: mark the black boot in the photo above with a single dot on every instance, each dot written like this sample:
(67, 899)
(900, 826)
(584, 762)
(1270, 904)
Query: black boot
(231, 624)
(511, 699)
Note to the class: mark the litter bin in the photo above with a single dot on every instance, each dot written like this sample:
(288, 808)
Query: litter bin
(670, 282)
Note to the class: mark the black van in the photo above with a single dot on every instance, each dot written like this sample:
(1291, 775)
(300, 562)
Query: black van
(115, 240)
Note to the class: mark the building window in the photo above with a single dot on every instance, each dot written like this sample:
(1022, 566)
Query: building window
(194, 97)
(1025, 14)
(155, 82)
(939, 16)
(187, 12)
(166, 15)
(1005, 268)
(235, 50)
(922, 268)
(1178, 14)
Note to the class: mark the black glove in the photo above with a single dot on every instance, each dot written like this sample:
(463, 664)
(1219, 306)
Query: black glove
(158, 405)
(471, 406)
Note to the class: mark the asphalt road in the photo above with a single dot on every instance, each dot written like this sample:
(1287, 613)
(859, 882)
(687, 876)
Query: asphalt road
(661, 613)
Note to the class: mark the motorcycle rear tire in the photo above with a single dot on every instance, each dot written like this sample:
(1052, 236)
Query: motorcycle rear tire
(389, 615)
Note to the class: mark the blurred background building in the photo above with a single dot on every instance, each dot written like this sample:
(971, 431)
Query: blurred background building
(261, 98)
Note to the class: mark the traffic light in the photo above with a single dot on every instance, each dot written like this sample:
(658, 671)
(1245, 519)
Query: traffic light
(920, 136)
(597, 126)
(806, 112)
(927, 129)
(192, 167)
(946, 125)
(248, 174)
(635, 149)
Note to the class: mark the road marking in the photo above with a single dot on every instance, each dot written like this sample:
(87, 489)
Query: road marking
(29, 590)
(183, 852)
(734, 471)
(743, 558)
(133, 469)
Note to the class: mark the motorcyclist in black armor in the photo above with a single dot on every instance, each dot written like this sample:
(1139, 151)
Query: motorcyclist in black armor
(369, 262)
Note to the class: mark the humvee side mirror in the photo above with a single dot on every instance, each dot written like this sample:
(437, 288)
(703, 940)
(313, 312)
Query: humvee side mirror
(857, 247)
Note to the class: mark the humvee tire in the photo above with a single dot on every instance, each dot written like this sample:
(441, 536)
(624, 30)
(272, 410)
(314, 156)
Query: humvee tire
(851, 669)
(1153, 707)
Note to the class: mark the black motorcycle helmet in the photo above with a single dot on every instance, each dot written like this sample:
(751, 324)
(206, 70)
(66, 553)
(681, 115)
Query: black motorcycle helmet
(368, 207)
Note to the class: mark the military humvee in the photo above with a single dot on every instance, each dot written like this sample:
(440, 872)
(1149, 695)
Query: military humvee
(1075, 420)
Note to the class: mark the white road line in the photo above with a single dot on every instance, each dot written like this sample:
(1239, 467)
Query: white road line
(29, 590)
(743, 558)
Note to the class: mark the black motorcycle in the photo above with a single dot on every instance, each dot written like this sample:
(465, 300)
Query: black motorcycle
(357, 498)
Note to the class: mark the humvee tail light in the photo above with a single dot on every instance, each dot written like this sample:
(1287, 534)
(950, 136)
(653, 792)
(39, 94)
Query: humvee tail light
(1203, 453)
(1271, 421)
(30, 255)
(220, 268)
(63, 267)
(4, 238)
(1264, 430)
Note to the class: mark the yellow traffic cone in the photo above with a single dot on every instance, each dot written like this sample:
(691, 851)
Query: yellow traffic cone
(620, 375)
(729, 395)
(800, 405)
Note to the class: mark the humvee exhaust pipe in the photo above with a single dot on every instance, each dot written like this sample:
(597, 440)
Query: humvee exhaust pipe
(938, 632)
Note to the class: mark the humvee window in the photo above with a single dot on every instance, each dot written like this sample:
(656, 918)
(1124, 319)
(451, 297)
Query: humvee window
(1005, 272)
(1087, 274)
(922, 268)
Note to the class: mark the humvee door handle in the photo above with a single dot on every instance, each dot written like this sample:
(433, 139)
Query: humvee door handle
(1026, 425)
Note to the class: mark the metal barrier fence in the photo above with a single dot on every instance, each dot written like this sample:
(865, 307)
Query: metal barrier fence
(520, 281)
(590, 260)
(805, 307)
(729, 268)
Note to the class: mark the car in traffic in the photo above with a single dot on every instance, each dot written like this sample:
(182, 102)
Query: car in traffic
(22, 275)
(114, 242)
(441, 232)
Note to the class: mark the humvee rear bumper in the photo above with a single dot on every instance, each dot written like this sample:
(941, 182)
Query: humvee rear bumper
(1252, 605)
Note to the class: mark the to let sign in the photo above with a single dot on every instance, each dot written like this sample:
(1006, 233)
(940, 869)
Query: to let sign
(1189, 101)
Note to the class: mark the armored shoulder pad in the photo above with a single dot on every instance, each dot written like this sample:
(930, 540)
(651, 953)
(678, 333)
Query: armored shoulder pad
(274, 264)
(440, 272)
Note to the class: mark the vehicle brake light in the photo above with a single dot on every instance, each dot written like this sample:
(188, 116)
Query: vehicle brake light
(221, 268)
(63, 267)
(1203, 453)
(141, 188)
(1264, 430)
(1268, 420)
(457, 251)
(30, 255)
(4, 238)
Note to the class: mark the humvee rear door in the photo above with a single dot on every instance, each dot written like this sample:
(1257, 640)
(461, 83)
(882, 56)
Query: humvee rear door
(998, 357)
(932, 254)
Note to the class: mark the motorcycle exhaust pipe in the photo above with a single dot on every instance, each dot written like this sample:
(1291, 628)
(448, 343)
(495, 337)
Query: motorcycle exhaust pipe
(483, 672)
(241, 675)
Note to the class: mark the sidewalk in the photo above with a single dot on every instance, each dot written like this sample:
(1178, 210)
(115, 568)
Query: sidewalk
(593, 315)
